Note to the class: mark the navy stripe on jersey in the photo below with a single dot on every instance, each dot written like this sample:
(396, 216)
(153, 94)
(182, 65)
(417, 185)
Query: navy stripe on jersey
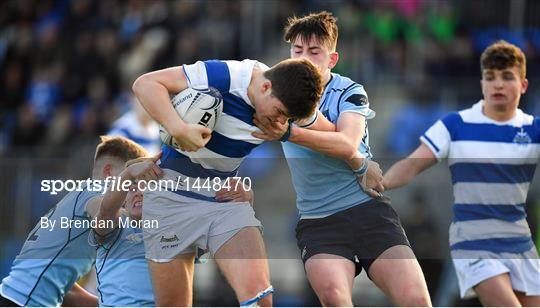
(463, 131)
(352, 86)
(174, 160)
(194, 195)
(229, 147)
(69, 239)
(431, 143)
(218, 74)
(497, 245)
(510, 212)
(238, 108)
(185, 74)
(492, 173)
(98, 272)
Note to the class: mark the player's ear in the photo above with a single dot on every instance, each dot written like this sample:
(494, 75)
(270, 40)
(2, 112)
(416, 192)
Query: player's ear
(334, 58)
(524, 85)
(266, 85)
(107, 170)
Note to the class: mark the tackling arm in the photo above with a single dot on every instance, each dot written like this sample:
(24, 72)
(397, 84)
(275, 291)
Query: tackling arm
(109, 206)
(152, 90)
(407, 169)
(342, 143)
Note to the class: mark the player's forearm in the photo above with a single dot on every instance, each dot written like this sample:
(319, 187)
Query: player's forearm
(400, 174)
(79, 297)
(155, 99)
(322, 124)
(110, 206)
(332, 144)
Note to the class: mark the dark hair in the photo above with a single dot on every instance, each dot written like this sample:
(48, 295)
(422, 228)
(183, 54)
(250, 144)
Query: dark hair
(502, 55)
(322, 25)
(297, 83)
(119, 147)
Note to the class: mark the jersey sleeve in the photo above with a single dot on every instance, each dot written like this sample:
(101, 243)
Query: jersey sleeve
(437, 139)
(355, 99)
(308, 122)
(212, 73)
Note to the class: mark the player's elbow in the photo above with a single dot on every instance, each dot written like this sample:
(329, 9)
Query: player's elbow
(139, 84)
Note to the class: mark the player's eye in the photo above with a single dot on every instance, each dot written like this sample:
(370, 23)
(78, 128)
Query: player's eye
(508, 76)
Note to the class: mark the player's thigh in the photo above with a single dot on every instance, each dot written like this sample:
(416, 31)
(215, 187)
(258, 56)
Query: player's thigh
(397, 273)
(173, 281)
(528, 301)
(243, 261)
(331, 277)
(497, 291)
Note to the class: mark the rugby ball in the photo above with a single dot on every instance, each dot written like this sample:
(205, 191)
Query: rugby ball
(195, 106)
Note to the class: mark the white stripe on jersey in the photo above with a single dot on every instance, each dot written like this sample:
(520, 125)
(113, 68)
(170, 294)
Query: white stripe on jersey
(233, 128)
(474, 115)
(486, 229)
(493, 152)
(196, 74)
(436, 133)
(492, 193)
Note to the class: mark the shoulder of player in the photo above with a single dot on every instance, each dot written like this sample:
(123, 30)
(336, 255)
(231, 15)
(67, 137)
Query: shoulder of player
(345, 86)
(240, 73)
(452, 120)
(92, 206)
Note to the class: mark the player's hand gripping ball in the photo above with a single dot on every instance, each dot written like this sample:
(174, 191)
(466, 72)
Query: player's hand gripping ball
(195, 106)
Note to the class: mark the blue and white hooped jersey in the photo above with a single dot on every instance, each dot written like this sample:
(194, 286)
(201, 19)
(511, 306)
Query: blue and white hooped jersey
(51, 261)
(325, 185)
(123, 278)
(129, 126)
(231, 139)
(492, 166)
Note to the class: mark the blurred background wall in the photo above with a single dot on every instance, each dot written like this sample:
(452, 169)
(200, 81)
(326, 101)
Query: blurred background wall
(66, 69)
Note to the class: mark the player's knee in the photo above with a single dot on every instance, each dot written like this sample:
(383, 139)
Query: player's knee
(412, 295)
(420, 299)
(332, 295)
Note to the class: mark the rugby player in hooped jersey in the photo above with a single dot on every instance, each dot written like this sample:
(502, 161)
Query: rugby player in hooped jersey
(342, 227)
(492, 150)
(189, 219)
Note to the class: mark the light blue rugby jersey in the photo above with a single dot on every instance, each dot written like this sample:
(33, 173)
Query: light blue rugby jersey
(50, 262)
(325, 185)
(492, 165)
(123, 278)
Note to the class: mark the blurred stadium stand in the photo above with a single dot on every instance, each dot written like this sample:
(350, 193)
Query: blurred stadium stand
(66, 69)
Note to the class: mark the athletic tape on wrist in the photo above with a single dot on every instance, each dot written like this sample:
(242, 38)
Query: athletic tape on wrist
(287, 134)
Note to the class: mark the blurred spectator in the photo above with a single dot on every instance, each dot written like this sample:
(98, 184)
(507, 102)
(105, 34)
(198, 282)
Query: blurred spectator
(138, 126)
(57, 52)
(411, 121)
